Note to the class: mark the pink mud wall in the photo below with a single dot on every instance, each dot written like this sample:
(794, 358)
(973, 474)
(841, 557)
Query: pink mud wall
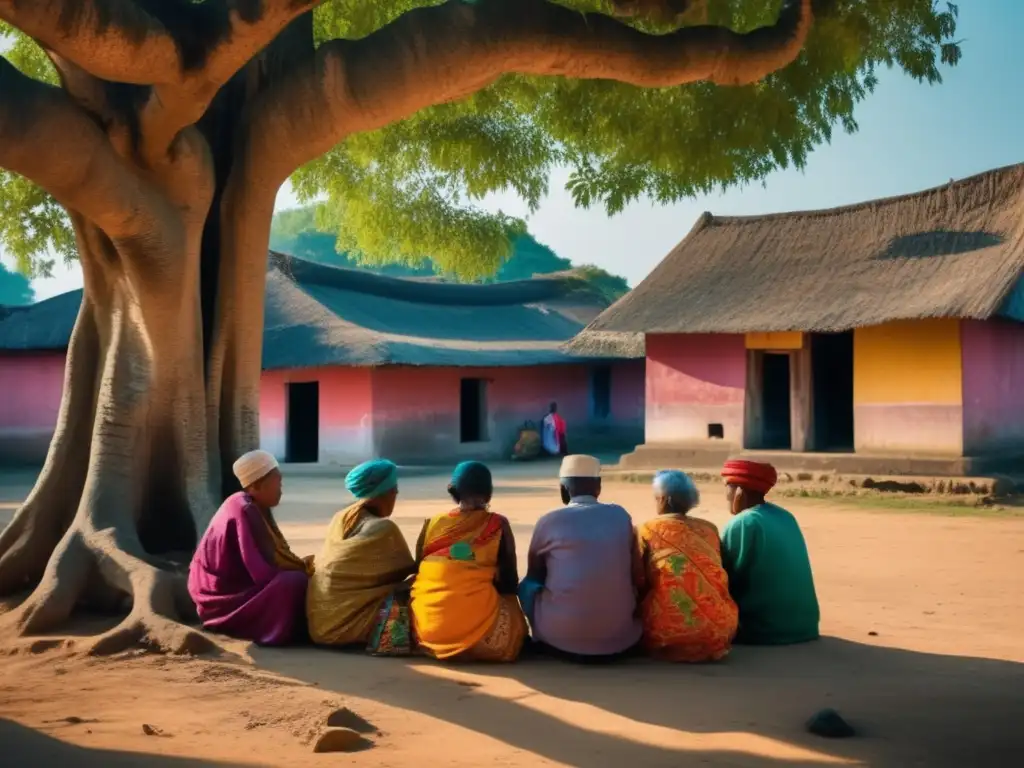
(416, 410)
(694, 380)
(346, 412)
(993, 387)
(30, 389)
(406, 413)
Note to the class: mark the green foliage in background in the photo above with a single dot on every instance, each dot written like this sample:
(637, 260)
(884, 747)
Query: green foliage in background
(295, 232)
(412, 190)
(15, 289)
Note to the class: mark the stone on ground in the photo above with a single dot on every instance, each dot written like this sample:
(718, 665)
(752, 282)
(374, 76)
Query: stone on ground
(830, 724)
(340, 740)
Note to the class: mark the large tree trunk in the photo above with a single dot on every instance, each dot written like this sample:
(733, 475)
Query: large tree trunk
(161, 389)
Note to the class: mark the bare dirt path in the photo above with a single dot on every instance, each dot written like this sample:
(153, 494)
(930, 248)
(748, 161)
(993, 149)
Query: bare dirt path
(924, 617)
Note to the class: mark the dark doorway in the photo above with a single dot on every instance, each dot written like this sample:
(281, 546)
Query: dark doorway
(473, 411)
(775, 393)
(302, 437)
(601, 391)
(832, 383)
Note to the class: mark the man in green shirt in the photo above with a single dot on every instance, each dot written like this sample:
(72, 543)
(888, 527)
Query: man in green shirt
(766, 558)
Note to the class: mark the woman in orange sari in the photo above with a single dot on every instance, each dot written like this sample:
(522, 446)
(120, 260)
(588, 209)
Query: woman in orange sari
(464, 596)
(687, 612)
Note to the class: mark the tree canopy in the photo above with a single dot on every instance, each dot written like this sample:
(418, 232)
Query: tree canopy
(412, 188)
(15, 289)
(295, 231)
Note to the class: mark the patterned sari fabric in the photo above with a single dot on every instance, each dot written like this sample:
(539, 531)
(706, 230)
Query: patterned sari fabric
(687, 612)
(364, 561)
(456, 609)
(391, 634)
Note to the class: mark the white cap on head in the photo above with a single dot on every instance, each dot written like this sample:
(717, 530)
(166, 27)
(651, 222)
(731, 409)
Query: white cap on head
(580, 465)
(253, 466)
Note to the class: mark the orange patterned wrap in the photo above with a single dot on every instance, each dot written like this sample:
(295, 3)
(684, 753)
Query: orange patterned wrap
(687, 612)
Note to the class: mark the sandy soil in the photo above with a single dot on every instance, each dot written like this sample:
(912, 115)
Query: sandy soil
(924, 618)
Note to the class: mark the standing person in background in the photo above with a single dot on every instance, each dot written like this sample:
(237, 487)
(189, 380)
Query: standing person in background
(765, 555)
(553, 433)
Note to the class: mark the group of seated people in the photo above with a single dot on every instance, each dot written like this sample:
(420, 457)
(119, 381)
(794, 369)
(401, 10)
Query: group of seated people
(597, 588)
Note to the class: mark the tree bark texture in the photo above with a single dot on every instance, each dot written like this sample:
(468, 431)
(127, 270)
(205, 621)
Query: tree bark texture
(170, 134)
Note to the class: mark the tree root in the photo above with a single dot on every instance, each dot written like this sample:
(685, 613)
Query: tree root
(155, 589)
(36, 530)
(153, 633)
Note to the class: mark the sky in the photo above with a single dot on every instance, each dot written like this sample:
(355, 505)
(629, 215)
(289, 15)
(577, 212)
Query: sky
(911, 137)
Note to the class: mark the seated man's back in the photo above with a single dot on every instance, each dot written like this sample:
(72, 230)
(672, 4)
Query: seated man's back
(765, 555)
(588, 604)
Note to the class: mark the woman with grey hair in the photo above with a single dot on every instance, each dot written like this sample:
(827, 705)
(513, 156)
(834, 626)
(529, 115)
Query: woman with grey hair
(686, 609)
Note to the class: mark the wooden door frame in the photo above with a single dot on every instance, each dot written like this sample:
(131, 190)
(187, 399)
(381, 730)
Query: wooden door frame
(801, 398)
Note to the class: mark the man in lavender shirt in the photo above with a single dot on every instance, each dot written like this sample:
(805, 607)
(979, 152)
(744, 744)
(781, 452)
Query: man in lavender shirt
(579, 592)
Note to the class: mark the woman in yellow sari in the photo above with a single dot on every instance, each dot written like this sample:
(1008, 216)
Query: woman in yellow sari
(464, 601)
(686, 609)
(358, 594)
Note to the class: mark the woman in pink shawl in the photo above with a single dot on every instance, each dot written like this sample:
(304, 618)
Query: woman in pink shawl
(244, 579)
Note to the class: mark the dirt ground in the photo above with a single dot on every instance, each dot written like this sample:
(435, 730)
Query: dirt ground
(923, 618)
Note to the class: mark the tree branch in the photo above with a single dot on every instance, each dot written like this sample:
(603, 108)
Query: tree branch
(185, 50)
(47, 138)
(440, 54)
(164, 42)
(245, 29)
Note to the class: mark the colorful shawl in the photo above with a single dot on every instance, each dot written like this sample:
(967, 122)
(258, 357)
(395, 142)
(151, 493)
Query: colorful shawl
(454, 602)
(687, 612)
(363, 560)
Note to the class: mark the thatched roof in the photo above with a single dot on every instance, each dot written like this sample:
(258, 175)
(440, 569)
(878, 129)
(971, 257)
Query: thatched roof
(607, 344)
(952, 251)
(319, 315)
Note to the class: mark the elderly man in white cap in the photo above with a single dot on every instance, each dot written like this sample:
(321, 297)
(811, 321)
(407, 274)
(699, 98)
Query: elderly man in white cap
(579, 592)
(244, 579)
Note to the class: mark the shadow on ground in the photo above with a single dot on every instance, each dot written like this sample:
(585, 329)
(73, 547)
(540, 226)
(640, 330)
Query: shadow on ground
(23, 746)
(910, 708)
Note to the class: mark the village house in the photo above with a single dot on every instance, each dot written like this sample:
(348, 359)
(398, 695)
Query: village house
(881, 337)
(358, 365)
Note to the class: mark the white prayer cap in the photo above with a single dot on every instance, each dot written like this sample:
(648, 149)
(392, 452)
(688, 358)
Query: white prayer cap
(580, 465)
(253, 466)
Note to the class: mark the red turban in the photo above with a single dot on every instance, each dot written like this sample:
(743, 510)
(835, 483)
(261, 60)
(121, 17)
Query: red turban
(752, 475)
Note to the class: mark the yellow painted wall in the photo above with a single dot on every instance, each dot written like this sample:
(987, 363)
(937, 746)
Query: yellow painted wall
(913, 361)
(775, 340)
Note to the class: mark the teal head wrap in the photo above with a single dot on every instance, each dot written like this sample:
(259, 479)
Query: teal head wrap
(472, 478)
(372, 479)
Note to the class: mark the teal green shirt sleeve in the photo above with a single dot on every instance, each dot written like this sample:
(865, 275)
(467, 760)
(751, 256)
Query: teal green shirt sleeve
(739, 550)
